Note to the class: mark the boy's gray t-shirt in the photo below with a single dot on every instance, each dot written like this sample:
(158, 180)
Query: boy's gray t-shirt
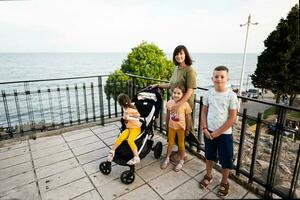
(219, 104)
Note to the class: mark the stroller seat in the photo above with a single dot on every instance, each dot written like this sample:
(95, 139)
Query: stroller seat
(148, 102)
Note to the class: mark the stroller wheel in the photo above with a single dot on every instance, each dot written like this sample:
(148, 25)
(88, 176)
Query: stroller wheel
(105, 167)
(127, 177)
(157, 150)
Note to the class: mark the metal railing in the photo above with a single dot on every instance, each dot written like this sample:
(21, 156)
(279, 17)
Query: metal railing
(40, 105)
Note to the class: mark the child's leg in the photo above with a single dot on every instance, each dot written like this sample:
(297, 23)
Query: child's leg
(171, 141)
(209, 166)
(181, 149)
(181, 143)
(225, 151)
(120, 139)
(117, 143)
(134, 132)
(211, 157)
(225, 175)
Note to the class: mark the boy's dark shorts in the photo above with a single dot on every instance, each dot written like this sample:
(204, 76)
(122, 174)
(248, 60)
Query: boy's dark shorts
(220, 148)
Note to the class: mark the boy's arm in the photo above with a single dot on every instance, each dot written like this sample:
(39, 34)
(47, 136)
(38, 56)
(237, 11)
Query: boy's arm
(204, 122)
(231, 120)
(188, 120)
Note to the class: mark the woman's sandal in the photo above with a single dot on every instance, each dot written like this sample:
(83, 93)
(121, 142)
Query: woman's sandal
(223, 190)
(205, 181)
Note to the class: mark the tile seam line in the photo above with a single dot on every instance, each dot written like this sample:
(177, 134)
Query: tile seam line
(34, 171)
(81, 166)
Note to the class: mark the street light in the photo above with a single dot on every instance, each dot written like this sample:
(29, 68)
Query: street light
(245, 49)
(247, 82)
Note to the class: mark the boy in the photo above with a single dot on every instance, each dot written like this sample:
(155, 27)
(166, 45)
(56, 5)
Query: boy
(218, 115)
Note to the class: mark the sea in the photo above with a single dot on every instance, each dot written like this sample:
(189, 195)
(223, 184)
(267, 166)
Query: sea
(31, 66)
(37, 66)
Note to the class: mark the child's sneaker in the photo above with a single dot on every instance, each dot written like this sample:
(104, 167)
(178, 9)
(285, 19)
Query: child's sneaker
(179, 166)
(165, 163)
(134, 160)
(111, 155)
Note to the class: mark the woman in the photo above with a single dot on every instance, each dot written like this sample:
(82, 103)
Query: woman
(183, 75)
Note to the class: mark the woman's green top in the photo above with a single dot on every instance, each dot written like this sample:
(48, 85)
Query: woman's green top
(184, 76)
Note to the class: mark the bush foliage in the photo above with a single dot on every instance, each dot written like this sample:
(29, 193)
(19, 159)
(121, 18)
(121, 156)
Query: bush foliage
(146, 60)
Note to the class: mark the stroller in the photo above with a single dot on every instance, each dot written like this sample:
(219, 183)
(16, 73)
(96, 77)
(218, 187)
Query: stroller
(148, 101)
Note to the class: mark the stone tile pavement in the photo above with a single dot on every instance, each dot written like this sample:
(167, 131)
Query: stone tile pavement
(66, 166)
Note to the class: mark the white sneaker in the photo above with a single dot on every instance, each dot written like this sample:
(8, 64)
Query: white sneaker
(134, 160)
(111, 155)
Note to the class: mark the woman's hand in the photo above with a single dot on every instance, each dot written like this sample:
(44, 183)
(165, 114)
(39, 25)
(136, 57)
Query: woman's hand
(154, 86)
(174, 107)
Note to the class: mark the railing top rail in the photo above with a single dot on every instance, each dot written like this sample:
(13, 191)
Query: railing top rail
(52, 79)
(147, 78)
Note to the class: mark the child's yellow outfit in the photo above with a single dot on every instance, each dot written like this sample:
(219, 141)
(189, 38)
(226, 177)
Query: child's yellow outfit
(133, 129)
(177, 123)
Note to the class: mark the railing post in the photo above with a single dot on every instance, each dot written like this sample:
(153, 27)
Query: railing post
(41, 110)
(161, 118)
(9, 128)
(69, 104)
(295, 176)
(61, 113)
(275, 152)
(77, 103)
(93, 101)
(115, 98)
(199, 123)
(18, 110)
(51, 106)
(254, 151)
(85, 104)
(29, 107)
(133, 86)
(242, 137)
(100, 87)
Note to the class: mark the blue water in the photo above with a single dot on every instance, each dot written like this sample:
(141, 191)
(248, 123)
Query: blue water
(32, 66)
(28, 66)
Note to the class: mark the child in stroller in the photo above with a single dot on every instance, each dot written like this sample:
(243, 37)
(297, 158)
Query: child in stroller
(133, 129)
(148, 102)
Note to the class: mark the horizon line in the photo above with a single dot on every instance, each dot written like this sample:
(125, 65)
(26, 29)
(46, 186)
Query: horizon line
(21, 52)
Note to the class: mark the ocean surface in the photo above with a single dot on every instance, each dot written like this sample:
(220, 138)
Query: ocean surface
(36, 66)
(30, 66)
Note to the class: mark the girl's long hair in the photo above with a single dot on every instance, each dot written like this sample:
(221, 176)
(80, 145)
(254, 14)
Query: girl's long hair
(125, 101)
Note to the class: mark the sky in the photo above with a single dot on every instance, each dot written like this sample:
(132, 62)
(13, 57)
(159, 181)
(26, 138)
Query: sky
(208, 26)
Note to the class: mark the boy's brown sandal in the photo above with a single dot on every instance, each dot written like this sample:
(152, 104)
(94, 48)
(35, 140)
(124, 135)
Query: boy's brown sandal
(223, 190)
(205, 181)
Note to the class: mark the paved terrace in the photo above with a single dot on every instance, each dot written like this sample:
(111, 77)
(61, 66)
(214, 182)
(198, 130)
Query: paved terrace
(66, 167)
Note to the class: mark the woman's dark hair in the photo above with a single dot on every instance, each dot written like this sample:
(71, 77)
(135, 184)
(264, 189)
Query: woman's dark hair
(124, 100)
(188, 60)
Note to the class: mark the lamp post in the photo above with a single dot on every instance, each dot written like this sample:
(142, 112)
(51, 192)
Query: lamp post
(245, 49)
(247, 82)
